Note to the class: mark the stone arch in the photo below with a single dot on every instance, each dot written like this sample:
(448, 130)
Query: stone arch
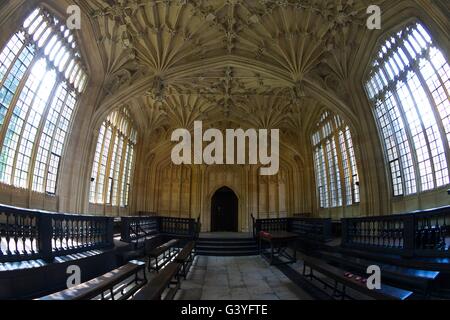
(232, 206)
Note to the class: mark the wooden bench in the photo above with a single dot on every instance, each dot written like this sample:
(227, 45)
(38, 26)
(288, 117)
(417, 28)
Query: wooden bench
(413, 279)
(185, 258)
(163, 280)
(166, 250)
(338, 276)
(106, 284)
(440, 264)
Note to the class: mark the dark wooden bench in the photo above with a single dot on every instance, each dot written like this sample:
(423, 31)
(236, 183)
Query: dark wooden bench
(154, 290)
(166, 250)
(440, 264)
(185, 257)
(338, 276)
(138, 253)
(417, 280)
(104, 286)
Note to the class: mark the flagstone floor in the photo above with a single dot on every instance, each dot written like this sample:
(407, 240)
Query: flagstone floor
(237, 278)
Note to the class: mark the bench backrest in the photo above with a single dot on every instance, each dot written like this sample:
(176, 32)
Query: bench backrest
(93, 288)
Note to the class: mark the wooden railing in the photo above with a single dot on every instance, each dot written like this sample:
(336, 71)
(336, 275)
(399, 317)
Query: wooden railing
(136, 228)
(177, 226)
(310, 228)
(33, 234)
(269, 225)
(420, 233)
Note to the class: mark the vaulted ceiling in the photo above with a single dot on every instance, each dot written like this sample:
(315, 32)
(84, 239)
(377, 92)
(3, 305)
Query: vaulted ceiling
(244, 61)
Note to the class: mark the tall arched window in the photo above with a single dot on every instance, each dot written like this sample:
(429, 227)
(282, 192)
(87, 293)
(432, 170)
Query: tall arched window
(409, 88)
(113, 160)
(337, 177)
(41, 77)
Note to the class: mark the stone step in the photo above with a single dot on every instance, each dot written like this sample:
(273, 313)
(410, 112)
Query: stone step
(227, 253)
(226, 246)
(222, 247)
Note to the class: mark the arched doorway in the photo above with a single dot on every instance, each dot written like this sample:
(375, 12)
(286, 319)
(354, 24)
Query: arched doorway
(224, 210)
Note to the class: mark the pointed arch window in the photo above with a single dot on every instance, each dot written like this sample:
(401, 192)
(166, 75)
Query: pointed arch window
(41, 78)
(113, 160)
(408, 86)
(335, 165)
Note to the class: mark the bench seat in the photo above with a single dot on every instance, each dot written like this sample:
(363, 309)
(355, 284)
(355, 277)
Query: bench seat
(408, 277)
(155, 253)
(338, 275)
(95, 287)
(185, 257)
(156, 287)
(424, 263)
(185, 253)
(163, 248)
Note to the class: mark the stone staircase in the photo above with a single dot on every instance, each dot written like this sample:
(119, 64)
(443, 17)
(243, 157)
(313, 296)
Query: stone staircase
(226, 246)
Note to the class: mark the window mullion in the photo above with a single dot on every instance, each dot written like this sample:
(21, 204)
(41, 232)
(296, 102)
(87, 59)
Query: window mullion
(122, 170)
(436, 114)
(409, 135)
(340, 166)
(130, 176)
(25, 122)
(52, 141)
(9, 113)
(411, 144)
(39, 131)
(116, 170)
(327, 173)
(425, 134)
(102, 154)
(349, 165)
(13, 62)
(108, 165)
(414, 67)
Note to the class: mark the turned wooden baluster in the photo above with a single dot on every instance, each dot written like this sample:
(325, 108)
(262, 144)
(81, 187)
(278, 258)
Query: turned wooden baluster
(354, 232)
(78, 233)
(16, 233)
(403, 234)
(398, 234)
(83, 233)
(8, 234)
(62, 234)
(395, 234)
(91, 232)
(2, 235)
(375, 233)
(66, 233)
(33, 234)
(87, 235)
(444, 234)
(27, 228)
(72, 233)
(95, 232)
(364, 232)
(372, 233)
(23, 232)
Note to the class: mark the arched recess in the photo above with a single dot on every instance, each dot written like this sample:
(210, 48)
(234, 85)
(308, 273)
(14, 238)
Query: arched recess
(119, 153)
(335, 166)
(172, 190)
(215, 177)
(224, 210)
